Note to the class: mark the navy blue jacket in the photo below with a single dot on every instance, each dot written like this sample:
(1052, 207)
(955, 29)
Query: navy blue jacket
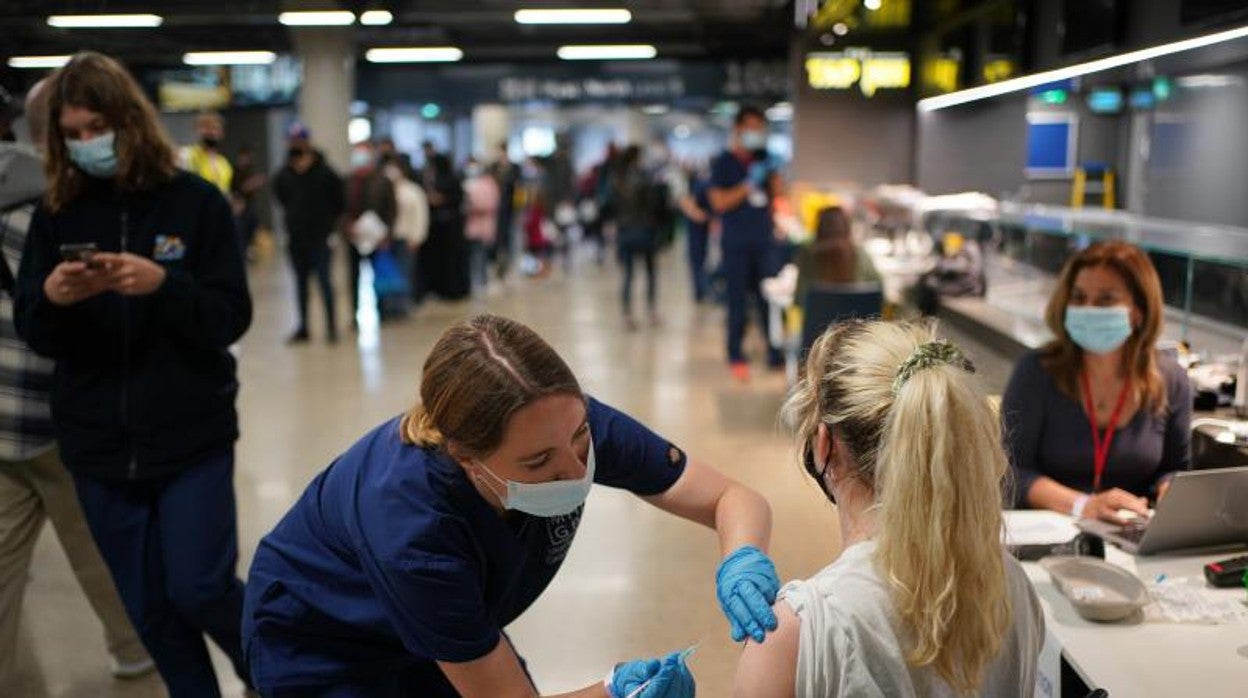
(144, 385)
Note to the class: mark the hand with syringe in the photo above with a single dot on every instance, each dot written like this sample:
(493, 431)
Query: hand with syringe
(668, 677)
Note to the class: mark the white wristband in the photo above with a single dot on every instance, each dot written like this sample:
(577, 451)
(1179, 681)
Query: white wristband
(1076, 509)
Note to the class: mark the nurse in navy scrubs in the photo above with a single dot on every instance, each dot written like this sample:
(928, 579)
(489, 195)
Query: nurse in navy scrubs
(397, 570)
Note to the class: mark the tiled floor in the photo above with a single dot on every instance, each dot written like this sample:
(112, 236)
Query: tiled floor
(637, 582)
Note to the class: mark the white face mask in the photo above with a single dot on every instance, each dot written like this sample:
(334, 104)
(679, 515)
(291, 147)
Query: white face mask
(545, 499)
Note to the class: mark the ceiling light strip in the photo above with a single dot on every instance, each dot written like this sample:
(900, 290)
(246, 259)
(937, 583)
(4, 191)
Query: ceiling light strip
(108, 21)
(607, 52)
(574, 16)
(414, 54)
(38, 61)
(323, 18)
(229, 57)
(1027, 82)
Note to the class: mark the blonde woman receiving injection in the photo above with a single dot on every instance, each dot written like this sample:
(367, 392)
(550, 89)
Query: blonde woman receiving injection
(923, 600)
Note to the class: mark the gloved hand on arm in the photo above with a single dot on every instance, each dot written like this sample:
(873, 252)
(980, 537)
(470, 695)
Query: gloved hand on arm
(746, 585)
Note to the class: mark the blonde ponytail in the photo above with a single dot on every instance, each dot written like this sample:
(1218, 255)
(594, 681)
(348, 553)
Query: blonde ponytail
(925, 439)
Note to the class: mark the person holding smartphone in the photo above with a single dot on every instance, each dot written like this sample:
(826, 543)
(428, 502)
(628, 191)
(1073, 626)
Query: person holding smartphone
(133, 282)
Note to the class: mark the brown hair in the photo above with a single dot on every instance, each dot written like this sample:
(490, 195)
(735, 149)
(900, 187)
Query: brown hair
(1063, 359)
(93, 81)
(836, 259)
(480, 372)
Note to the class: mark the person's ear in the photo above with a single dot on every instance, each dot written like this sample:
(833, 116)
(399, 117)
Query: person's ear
(824, 444)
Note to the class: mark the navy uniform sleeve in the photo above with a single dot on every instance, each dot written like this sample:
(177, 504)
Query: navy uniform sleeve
(40, 322)
(629, 456)
(434, 599)
(1176, 452)
(1022, 424)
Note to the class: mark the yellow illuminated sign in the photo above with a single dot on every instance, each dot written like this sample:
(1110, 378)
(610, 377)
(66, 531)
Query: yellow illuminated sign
(999, 69)
(840, 70)
(940, 74)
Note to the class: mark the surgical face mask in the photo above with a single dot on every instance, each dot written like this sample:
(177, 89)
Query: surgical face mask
(95, 156)
(361, 159)
(544, 499)
(1098, 330)
(754, 140)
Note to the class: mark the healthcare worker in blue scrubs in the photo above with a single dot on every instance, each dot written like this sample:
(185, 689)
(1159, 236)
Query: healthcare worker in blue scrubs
(398, 569)
(742, 180)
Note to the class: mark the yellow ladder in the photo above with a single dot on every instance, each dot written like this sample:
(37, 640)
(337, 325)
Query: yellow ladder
(1093, 178)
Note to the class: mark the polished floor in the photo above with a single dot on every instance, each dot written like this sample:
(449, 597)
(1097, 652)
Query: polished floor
(637, 583)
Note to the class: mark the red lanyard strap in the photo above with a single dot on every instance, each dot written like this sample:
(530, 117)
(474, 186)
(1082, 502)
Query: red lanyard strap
(1100, 445)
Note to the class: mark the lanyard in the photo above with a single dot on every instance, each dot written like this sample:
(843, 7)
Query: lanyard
(1100, 444)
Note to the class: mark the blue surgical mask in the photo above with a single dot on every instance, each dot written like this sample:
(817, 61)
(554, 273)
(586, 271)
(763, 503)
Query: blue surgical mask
(545, 499)
(1098, 330)
(361, 159)
(95, 156)
(753, 140)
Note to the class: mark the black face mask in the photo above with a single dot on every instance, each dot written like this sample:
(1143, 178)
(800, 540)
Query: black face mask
(209, 142)
(814, 471)
(294, 153)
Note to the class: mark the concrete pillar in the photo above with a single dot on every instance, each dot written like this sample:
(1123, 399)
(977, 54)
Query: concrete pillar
(328, 57)
(491, 124)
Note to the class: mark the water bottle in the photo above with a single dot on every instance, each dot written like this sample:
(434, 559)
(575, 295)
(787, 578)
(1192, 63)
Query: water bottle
(1241, 383)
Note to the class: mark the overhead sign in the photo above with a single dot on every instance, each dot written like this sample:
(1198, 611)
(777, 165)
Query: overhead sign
(871, 71)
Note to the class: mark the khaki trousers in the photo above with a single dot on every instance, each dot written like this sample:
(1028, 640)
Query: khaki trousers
(30, 492)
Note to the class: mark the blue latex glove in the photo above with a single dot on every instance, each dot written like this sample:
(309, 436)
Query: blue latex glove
(653, 678)
(746, 585)
(759, 173)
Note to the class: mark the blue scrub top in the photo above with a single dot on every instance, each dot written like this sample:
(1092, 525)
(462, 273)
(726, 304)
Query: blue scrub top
(746, 225)
(391, 557)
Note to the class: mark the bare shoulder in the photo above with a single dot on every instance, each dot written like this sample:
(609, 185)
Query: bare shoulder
(769, 670)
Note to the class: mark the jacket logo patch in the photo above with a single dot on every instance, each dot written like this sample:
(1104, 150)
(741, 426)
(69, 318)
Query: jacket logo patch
(169, 248)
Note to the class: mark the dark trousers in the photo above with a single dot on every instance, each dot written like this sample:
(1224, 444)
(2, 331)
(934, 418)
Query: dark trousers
(699, 242)
(172, 547)
(628, 253)
(306, 264)
(745, 267)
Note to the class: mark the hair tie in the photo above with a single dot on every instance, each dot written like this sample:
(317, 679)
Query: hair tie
(928, 355)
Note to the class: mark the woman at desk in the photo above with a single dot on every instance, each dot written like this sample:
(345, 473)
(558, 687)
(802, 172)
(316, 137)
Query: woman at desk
(832, 257)
(1097, 421)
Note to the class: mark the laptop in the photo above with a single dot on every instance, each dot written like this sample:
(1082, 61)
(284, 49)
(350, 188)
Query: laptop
(1202, 508)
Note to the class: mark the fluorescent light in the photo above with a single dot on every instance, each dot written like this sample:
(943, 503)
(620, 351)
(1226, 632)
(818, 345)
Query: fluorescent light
(323, 18)
(1027, 82)
(104, 21)
(872, 5)
(619, 52)
(601, 16)
(376, 18)
(38, 61)
(414, 54)
(1202, 81)
(655, 109)
(229, 57)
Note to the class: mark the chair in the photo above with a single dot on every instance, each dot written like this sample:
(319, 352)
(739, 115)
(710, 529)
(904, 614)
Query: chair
(828, 304)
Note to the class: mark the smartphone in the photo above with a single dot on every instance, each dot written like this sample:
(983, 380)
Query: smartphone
(80, 252)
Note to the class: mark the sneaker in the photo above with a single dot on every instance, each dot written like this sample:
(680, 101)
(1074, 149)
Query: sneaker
(132, 670)
(740, 371)
(299, 337)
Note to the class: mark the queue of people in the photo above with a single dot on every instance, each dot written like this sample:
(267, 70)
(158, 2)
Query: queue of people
(399, 568)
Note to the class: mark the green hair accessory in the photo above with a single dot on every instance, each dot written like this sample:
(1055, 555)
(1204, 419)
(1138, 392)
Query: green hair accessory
(928, 355)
